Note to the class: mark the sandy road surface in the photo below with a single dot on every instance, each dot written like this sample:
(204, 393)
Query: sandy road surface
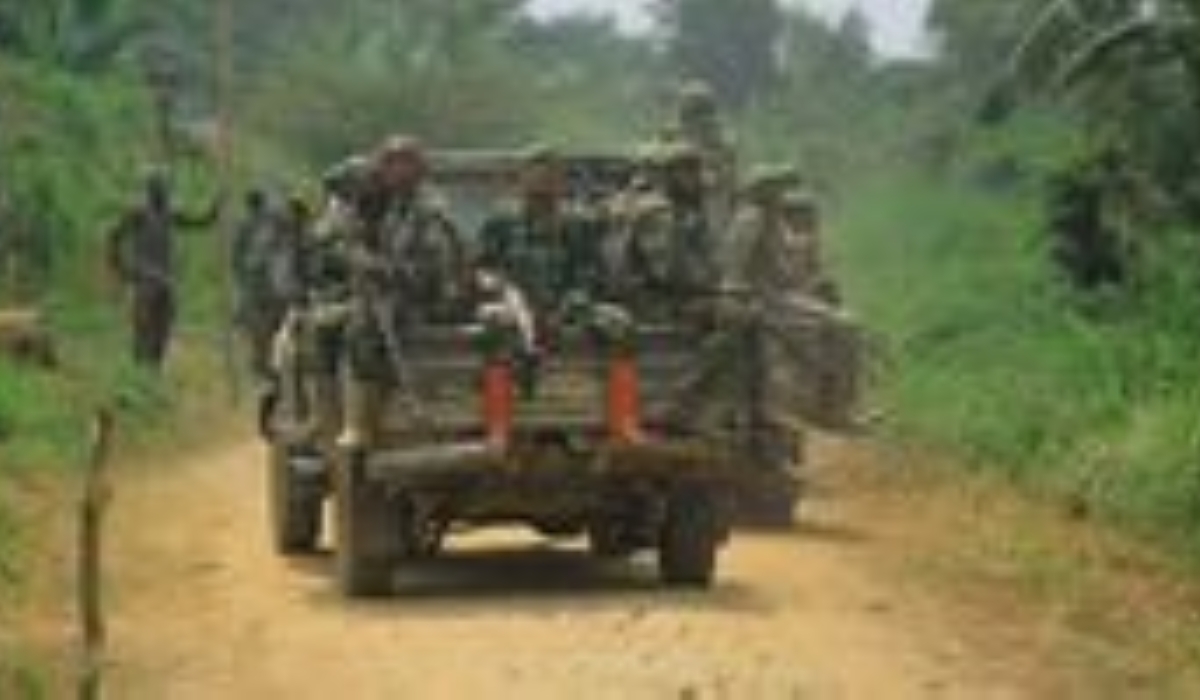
(203, 610)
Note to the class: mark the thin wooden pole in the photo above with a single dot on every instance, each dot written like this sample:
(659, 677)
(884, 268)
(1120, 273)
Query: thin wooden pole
(93, 503)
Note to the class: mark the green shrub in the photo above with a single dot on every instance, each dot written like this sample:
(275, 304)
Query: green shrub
(987, 355)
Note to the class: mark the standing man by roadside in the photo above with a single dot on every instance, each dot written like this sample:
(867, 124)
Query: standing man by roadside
(142, 255)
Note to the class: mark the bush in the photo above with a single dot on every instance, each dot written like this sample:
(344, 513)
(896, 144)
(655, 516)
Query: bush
(1093, 399)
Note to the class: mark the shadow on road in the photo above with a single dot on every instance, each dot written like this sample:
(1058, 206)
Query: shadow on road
(540, 579)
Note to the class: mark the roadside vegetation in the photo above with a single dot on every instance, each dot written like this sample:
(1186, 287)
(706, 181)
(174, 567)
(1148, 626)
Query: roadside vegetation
(954, 183)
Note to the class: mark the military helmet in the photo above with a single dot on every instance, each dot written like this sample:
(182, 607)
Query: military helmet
(800, 202)
(541, 171)
(676, 153)
(668, 153)
(400, 146)
(697, 97)
(771, 180)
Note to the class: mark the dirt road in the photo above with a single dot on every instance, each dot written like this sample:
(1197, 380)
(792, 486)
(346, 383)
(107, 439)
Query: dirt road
(204, 610)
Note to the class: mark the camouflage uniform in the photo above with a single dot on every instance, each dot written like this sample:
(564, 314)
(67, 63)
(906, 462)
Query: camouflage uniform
(698, 123)
(550, 252)
(309, 351)
(407, 266)
(765, 368)
(801, 244)
(264, 257)
(665, 245)
(141, 252)
(763, 256)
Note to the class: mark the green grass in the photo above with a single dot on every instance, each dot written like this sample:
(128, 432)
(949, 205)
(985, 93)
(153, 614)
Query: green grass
(74, 149)
(1097, 401)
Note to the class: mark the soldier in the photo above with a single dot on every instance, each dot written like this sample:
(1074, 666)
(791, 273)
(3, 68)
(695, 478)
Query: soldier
(307, 353)
(761, 253)
(798, 358)
(259, 251)
(141, 253)
(402, 229)
(406, 263)
(801, 244)
(547, 249)
(698, 122)
(666, 250)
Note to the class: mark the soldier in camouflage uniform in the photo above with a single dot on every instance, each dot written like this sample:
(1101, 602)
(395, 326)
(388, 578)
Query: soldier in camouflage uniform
(260, 252)
(666, 242)
(765, 269)
(141, 253)
(407, 266)
(698, 123)
(800, 356)
(549, 250)
(802, 245)
(763, 254)
(309, 350)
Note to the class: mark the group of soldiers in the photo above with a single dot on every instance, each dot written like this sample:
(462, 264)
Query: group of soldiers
(685, 227)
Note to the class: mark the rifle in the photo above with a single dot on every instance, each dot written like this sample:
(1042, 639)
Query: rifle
(372, 284)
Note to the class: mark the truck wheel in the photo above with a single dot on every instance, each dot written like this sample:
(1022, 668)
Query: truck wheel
(691, 534)
(368, 533)
(295, 507)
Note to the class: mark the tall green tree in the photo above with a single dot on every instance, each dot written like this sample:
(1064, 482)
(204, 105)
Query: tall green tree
(732, 45)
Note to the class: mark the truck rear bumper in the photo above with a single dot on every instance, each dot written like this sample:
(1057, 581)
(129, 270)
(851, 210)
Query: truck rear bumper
(462, 463)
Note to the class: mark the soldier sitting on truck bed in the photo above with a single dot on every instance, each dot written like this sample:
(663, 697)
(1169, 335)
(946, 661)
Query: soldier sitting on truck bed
(664, 248)
(802, 246)
(544, 246)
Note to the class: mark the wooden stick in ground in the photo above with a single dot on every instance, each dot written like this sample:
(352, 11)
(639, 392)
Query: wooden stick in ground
(92, 506)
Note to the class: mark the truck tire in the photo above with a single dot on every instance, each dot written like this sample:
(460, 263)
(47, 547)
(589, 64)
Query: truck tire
(295, 507)
(691, 535)
(368, 533)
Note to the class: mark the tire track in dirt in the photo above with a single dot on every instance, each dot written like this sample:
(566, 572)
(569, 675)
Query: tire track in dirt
(203, 609)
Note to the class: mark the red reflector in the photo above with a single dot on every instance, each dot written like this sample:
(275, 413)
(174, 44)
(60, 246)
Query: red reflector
(498, 401)
(624, 402)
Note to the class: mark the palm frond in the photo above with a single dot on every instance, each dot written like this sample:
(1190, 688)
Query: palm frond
(1094, 56)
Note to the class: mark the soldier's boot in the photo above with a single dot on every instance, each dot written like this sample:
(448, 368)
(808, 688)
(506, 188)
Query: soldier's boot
(329, 420)
(363, 404)
(770, 498)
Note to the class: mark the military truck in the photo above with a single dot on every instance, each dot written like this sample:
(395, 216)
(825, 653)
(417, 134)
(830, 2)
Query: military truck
(588, 438)
(597, 435)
